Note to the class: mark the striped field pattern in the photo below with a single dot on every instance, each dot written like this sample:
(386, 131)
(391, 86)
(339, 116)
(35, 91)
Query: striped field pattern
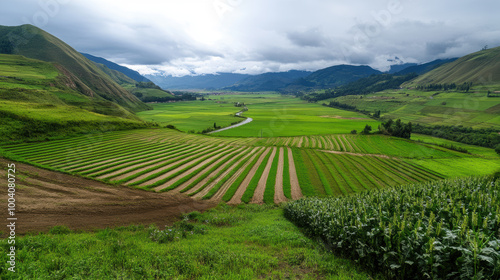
(234, 170)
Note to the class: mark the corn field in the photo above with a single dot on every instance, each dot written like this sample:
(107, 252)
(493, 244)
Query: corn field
(446, 229)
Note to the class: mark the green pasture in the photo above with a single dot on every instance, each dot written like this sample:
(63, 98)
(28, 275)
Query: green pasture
(276, 115)
(192, 115)
(473, 109)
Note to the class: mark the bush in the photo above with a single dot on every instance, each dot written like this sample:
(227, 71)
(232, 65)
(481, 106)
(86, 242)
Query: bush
(354, 131)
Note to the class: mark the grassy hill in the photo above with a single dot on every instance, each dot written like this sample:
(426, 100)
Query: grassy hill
(481, 67)
(39, 100)
(32, 42)
(134, 75)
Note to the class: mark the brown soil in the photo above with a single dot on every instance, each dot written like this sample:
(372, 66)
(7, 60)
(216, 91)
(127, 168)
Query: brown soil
(341, 143)
(211, 157)
(258, 195)
(236, 199)
(216, 181)
(180, 168)
(201, 173)
(279, 196)
(45, 199)
(294, 180)
(218, 196)
(300, 142)
(348, 143)
(330, 144)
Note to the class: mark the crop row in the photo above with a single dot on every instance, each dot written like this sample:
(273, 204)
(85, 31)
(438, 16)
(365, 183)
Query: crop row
(166, 160)
(325, 174)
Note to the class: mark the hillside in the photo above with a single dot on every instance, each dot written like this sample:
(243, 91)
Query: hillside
(269, 81)
(134, 75)
(423, 68)
(208, 81)
(40, 100)
(332, 77)
(32, 42)
(481, 67)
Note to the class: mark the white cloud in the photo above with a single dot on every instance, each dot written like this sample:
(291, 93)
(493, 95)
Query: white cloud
(182, 37)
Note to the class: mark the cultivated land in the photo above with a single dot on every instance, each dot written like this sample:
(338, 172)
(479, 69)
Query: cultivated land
(473, 109)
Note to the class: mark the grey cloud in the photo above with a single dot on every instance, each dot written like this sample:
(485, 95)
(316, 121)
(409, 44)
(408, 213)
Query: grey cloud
(310, 38)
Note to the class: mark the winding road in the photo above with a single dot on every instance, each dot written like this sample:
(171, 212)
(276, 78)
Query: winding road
(248, 120)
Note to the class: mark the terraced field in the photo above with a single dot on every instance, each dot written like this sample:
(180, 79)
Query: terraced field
(234, 170)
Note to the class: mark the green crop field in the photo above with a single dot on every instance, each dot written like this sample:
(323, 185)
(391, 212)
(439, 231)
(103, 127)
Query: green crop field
(273, 115)
(257, 170)
(473, 109)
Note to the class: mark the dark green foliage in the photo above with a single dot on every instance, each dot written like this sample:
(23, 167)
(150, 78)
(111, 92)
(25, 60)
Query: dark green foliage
(488, 138)
(396, 129)
(497, 149)
(465, 87)
(366, 130)
(437, 230)
(373, 83)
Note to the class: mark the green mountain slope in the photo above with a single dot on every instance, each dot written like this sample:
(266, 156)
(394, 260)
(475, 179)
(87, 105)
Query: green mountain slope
(481, 67)
(33, 42)
(40, 100)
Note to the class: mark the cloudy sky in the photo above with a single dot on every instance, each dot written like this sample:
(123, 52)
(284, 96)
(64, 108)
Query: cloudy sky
(181, 37)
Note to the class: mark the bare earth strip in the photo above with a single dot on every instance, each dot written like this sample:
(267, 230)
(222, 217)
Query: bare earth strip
(341, 143)
(220, 193)
(279, 195)
(300, 142)
(216, 181)
(194, 169)
(258, 195)
(294, 180)
(312, 142)
(154, 171)
(348, 143)
(178, 169)
(358, 155)
(184, 185)
(236, 199)
(353, 143)
(49, 198)
(329, 143)
(145, 164)
(204, 181)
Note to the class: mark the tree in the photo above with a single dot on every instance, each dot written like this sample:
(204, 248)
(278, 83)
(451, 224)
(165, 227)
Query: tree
(215, 125)
(354, 131)
(366, 130)
(497, 149)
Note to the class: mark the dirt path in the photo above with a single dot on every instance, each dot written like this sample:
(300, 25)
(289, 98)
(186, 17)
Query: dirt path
(45, 199)
(300, 142)
(191, 170)
(216, 181)
(279, 195)
(358, 155)
(258, 195)
(201, 173)
(220, 193)
(294, 180)
(236, 199)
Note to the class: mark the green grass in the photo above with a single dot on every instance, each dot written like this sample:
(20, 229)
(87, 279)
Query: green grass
(192, 115)
(287, 187)
(271, 179)
(473, 109)
(249, 192)
(247, 242)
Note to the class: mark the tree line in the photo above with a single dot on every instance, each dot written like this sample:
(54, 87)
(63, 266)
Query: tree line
(373, 83)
